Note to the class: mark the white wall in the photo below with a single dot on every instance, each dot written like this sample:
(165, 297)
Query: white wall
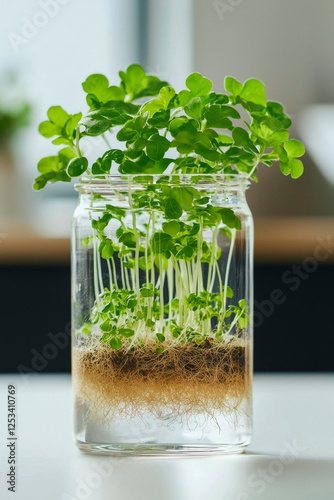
(55, 45)
(170, 37)
(288, 44)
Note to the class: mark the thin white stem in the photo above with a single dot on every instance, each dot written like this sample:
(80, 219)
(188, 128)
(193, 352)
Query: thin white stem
(114, 272)
(96, 259)
(228, 267)
(161, 289)
(110, 275)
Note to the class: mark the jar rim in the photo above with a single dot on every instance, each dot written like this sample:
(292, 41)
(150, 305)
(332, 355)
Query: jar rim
(86, 182)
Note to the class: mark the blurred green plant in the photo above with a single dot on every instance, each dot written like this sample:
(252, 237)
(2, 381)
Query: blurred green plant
(11, 120)
(15, 110)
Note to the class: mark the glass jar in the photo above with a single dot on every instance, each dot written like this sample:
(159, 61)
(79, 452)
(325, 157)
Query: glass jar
(162, 301)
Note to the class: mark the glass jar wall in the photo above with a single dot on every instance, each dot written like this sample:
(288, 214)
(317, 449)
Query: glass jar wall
(162, 286)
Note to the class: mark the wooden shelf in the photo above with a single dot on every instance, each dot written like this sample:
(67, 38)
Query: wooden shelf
(34, 250)
(21, 244)
(293, 239)
(277, 240)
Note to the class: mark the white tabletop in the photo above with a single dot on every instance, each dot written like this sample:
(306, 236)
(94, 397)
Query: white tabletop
(291, 457)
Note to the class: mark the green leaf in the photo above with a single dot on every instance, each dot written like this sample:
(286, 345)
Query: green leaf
(62, 140)
(294, 148)
(210, 134)
(225, 140)
(97, 85)
(53, 168)
(94, 127)
(71, 124)
(173, 209)
(77, 166)
(172, 227)
(274, 124)
(106, 249)
(278, 138)
(285, 168)
(165, 95)
(216, 117)
(128, 239)
(182, 124)
(147, 292)
(48, 129)
(243, 321)
(184, 196)
(115, 343)
(162, 242)
(157, 147)
(182, 98)
(233, 86)
(133, 79)
(205, 152)
(215, 98)
(97, 168)
(106, 326)
(194, 108)
(137, 84)
(49, 164)
(186, 252)
(160, 119)
(121, 108)
(282, 154)
(254, 91)
(116, 212)
(66, 154)
(242, 139)
(115, 155)
(86, 328)
(132, 130)
(61, 123)
(102, 222)
(158, 167)
(102, 165)
(161, 103)
(160, 337)
(42, 180)
(58, 115)
(229, 218)
(228, 291)
(86, 241)
(296, 167)
(276, 110)
(126, 332)
(198, 85)
(130, 167)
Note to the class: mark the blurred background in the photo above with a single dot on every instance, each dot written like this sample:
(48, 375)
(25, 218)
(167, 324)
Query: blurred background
(49, 47)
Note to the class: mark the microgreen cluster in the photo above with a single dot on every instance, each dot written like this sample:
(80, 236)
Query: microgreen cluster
(194, 131)
(167, 281)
